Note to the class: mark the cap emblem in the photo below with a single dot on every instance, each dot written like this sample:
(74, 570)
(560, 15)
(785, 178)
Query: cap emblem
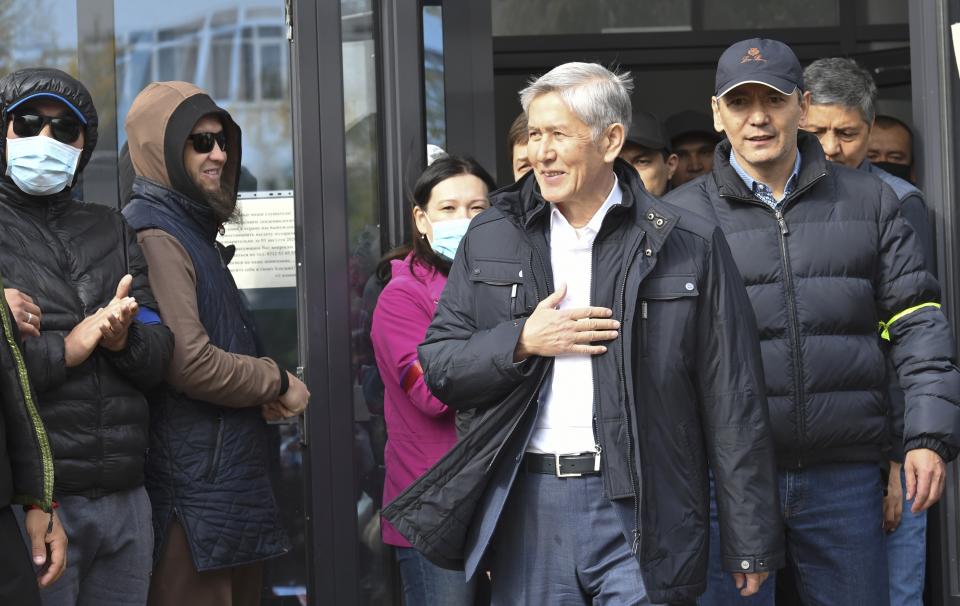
(753, 55)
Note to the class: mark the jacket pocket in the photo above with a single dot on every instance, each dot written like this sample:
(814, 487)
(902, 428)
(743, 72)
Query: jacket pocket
(656, 291)
(215, 455)
(501, 290)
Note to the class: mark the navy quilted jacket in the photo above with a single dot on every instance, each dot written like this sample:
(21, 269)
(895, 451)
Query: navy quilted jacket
(822, 273)
(208, 464)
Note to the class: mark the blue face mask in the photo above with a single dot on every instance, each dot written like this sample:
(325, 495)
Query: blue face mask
(40, 165)
(447, 235)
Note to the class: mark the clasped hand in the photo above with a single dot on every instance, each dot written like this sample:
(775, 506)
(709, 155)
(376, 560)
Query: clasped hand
(552, 332)
(290, 404)
(107, 327)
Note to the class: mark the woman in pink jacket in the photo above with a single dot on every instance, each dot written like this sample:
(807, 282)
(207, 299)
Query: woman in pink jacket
(420, 428)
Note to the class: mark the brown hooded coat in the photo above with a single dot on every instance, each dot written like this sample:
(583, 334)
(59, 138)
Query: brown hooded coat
(157, 126)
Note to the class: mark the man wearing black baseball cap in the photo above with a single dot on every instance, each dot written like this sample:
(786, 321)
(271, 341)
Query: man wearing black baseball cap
(647, 150)
(827, 258)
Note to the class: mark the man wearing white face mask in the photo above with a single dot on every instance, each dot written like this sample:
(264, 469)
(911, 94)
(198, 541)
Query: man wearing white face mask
(92, 343)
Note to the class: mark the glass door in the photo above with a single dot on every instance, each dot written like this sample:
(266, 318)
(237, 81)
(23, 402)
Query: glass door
(365, 245)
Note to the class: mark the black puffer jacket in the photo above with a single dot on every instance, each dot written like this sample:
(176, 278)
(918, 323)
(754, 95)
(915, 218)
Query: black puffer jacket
(681, 385)
(69, 257)
(822, 273)
(26, 462)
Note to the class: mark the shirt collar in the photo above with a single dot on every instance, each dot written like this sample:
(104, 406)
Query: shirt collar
(757, 187)
(614, 198)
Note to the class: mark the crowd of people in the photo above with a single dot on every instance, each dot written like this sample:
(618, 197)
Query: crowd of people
(138, 445)
(668, 361)
(750, 375)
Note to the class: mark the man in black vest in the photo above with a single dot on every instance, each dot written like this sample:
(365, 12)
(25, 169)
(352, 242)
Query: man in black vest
(215, 515)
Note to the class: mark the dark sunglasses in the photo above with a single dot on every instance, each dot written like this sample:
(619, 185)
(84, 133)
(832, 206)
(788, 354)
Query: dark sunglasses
(203, 142)
(65, 129)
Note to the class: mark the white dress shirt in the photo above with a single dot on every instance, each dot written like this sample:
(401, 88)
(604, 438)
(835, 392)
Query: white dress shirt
(565, 423)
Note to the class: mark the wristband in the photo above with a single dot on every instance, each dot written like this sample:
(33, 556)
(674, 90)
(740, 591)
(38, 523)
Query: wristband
(53, 505)
(284, 381)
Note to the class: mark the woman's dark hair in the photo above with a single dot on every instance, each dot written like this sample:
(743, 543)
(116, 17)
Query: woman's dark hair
(443, 168)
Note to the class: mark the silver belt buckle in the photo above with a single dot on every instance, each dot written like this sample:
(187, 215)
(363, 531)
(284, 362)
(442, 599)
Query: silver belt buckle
(560, 474)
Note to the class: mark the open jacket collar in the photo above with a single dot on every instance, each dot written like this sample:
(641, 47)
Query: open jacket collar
(522, 204)
(813, 166)
(199, 216)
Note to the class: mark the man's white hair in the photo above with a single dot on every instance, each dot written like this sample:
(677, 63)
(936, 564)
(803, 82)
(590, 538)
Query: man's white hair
(596, 95)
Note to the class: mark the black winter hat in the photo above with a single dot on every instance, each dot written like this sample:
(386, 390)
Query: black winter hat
(33, 82)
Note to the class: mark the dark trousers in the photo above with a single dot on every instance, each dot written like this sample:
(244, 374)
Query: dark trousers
(109, 551)
(560, 541)
(18, 583)
(176, 582)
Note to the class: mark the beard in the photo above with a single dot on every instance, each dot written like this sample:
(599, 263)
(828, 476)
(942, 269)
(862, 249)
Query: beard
(224, 205)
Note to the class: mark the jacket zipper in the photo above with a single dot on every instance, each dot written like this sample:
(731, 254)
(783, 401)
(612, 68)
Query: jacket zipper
(215, 460)
(631, 461)
(216, 250)
(643, 327)
(594, 421)
(794, 323)
(783, 232)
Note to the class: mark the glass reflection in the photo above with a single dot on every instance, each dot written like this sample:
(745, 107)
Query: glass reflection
(746, 14)
(545, 17)
(375, 563)
(883, 12)
(238, 53)
(38, 32)
(433, 76)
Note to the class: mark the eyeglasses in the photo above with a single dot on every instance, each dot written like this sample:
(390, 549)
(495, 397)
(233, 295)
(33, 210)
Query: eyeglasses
(203, 142)
(65, 129)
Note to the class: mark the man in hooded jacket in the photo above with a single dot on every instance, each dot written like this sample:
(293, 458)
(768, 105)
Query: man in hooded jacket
(79, 280)
(215, 515)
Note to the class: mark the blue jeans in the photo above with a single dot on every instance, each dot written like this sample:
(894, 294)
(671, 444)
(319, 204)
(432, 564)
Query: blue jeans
(426, 584)
(907, 555)
(560, 541)
(832, 515)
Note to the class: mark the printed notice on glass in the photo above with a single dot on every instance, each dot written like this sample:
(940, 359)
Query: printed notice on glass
(266, 254)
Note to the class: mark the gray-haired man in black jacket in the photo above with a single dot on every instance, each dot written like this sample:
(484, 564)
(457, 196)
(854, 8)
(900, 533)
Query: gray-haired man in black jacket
(599, 347)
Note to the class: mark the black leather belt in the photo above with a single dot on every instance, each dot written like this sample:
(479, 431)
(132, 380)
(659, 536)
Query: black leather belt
(563, 466)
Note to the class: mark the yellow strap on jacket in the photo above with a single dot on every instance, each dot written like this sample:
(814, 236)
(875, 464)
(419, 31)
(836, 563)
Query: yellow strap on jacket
(885, 326)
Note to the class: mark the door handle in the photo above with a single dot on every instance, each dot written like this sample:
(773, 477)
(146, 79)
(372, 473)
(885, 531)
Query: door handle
(302, 425)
